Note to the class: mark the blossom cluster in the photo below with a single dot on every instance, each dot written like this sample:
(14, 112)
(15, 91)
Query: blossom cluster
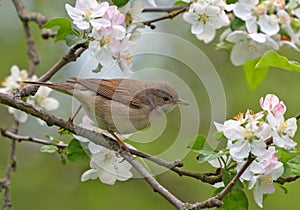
(105, 26)
(41, 98)
(105, 164)
(260, 134)
(253, 26)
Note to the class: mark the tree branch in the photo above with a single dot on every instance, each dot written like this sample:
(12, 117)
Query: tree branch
(11, 165)
(19, 138)
(165, 9)
(25, 17)
(152, 182)
(169, 16)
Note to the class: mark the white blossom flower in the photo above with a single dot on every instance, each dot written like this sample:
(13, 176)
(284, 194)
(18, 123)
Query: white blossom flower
(255, 13)
(105, 164)
(87, 13)
(249, 46)
(133, 10)
(205, 19)
(41, 98)
(108, 167)
(14, 80)
(19, 116)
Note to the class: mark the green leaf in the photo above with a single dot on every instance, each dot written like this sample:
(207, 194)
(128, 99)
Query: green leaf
(292, 167)
(72, 39)
(64, 27)
(120, 3)
(51, 138)
(63, 159)
(218, 135)
(198, 143)
(180, 3)
(285, 156)
(236, 23)
(97, 69)
(271, 58)
(206, 153)
(49, 148)
(254, 76)
(235, 200)
(76, 153)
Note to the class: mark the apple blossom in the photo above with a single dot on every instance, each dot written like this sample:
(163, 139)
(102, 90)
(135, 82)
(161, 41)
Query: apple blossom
(108, 167)
(88, 13)
(205, 17)
(105, 164)
(249, 46)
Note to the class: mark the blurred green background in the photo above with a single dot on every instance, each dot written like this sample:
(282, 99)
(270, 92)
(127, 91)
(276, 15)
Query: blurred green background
(41, 182)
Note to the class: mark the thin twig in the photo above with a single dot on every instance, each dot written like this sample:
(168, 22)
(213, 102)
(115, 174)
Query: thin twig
(157, 187)
(25, 17)
(19, 138)
(165, 9)
(11, 165)
(231, 184)
(169, 16)
(283, 180)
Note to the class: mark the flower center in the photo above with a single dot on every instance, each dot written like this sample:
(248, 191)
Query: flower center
(267, 179)
(283, 125)
(259, 10)
(87, 14)
(203, 18)
(248, 134)
(252, 46)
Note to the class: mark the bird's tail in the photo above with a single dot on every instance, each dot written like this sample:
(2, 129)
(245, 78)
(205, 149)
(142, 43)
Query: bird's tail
(64, 87)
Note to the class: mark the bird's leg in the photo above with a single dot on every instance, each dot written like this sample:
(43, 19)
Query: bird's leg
(71, 119)
(121, 143)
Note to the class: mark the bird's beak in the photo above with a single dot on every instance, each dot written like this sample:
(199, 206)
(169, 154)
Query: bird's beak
(182, 102)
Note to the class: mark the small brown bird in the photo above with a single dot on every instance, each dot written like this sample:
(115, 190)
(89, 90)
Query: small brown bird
(120, 105)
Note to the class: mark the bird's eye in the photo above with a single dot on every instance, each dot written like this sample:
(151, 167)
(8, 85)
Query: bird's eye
(166, 99)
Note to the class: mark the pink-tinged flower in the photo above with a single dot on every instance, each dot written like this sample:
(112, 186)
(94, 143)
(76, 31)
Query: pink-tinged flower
(272, 104)
(266, 168)
(114, 16)
(87, 13)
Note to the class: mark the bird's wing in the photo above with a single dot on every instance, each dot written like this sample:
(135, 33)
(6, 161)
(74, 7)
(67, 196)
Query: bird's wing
(111, 89)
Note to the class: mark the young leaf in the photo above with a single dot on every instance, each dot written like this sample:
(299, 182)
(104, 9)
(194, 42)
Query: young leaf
(198, 143)
(76, 153)
(235, 200)
(271, 58)
(292, 167)
(120, 3)
(180, 3)
(254, 76)
(49, 148)
(72, 39)
(64, 27)
(218, 135)
(236, 23)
